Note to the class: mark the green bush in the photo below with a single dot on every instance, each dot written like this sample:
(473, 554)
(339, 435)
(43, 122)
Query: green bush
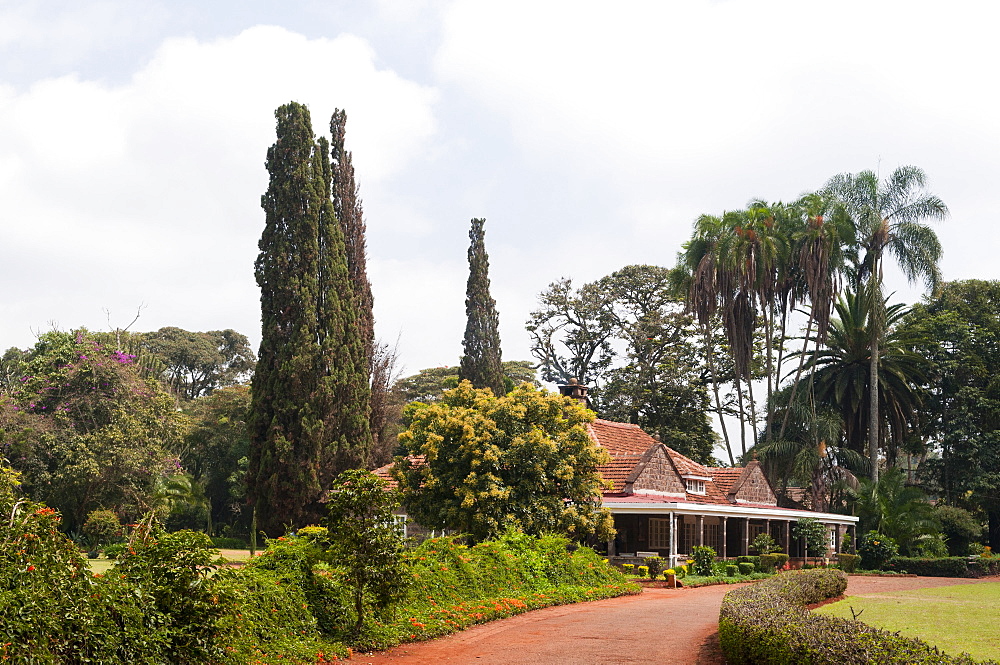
(642, 571)
(704, 557)
(931, 546)
(781, 559)
(876, 550)
(655, 565)
(732, 570)
(959, 527)
(628, 568)
(766, 624)
(953, 566)
(768, 563)
(102, 528)
(752, 560)
(746, 568)
(984, 567)
(227, 543)
(848, 562)
(763, 543)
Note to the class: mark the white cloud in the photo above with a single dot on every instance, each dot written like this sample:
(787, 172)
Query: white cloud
(149, 191)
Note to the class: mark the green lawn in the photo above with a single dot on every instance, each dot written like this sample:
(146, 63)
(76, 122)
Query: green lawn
(953, 618)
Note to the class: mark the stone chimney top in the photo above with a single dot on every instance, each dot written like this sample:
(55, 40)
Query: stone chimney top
(576, 390)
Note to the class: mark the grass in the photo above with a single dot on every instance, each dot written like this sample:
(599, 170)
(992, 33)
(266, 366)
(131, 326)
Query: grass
(953, 618)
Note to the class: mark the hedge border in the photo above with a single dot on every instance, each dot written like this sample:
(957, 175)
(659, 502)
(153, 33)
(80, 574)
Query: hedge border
(767, 623)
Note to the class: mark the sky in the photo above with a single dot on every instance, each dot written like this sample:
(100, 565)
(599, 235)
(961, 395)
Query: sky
(589, 135)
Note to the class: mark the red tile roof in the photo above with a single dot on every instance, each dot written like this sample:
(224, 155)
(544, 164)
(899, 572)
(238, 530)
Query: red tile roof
(725, 478)
(618, 470)
(620, 438)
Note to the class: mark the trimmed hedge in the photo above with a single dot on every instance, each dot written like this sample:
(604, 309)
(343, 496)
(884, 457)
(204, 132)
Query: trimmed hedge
(951, 566)
(984, 566)
(767, 623)
(848, 562)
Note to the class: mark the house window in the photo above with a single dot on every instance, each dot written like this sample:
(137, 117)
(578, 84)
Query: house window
(689, 536)
(659, 533)
(399, 521)
(713, 537)
(755, 530)
(695, 486)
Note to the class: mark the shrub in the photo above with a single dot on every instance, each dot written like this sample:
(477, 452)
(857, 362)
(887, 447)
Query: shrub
(985, 566)
(704, 557)
(876, 550)
(681, 571)
(959, 527)
(932, 546)
(764, 544)
(752, 560)
(642, 571)
(628, 568)
(814, 534)
(655, 565)
(229, 543)
(766, 623)
(848, 562)
(746, 568)
(102, 528)
(768, 562)
(953, 566)
(781, 559)
(732, 570)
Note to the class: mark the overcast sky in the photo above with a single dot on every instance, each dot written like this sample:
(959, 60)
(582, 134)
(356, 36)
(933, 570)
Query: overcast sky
(588, 134)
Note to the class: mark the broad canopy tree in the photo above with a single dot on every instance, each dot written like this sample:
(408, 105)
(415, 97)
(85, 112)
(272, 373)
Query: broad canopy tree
(480, 464)
(196, 363)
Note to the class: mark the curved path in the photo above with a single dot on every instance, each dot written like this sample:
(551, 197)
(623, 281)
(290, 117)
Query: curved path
(659, 626)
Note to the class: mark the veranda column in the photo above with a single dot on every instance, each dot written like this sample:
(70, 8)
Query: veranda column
(672, 550)
(767, 529)
(788, 538)
(701, 529)
(724, 520)
(611, 547)
(746, 537)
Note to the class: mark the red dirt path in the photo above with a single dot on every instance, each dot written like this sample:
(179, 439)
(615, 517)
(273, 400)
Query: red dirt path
(659, 626)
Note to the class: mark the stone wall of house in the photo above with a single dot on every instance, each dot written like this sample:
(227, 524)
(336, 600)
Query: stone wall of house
(659, 475)
(755, 489)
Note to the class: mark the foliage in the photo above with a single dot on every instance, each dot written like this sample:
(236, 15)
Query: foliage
(949, 566)
(428, 385)
(814, 534)
(655, 566)
(310, 407)
(102, 528)
(196, 363)
(892, 507)
(958, 526)
(216, 452)
(704, 558)
(889, 219)
(763, 543)
(480, 364)
(86, 429)
(962, 422)
(657, 380)
(848, 562)
(766, 623)
(481, 464)
(746, 568)
(876, 550)
(932, 546)
(365, 542)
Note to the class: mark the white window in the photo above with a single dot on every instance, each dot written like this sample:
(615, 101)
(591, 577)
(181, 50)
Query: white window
(399, 521)
(659, 533)
(755, 530)
(695, 486)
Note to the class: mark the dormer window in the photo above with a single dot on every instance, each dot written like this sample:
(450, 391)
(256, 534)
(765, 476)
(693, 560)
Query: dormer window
(695, 486)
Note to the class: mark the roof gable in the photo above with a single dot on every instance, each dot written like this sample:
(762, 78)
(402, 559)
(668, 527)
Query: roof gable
(752, 487)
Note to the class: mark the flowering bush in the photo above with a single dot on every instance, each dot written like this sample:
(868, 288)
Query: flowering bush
(876, 549)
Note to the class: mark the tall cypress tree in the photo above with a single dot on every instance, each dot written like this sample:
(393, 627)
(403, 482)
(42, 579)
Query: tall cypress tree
(309, 416)
(481, 346)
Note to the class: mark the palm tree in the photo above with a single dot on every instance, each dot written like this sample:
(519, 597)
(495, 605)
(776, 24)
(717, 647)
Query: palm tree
(889, 217)
(841, 373)
(894, 509)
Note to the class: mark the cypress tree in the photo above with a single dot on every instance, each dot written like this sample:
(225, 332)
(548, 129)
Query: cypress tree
(309, 412)
(481, 347)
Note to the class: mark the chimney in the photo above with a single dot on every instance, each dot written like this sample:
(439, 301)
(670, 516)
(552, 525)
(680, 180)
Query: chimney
(576, 390)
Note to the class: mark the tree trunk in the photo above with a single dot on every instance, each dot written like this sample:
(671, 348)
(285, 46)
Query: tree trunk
(795, 381)
(710, 354)
(873, 408)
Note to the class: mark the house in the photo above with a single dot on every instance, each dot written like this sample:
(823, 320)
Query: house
(665, 503)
